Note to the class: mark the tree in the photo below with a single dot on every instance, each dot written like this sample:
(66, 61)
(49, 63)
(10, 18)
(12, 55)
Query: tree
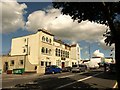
(100, 12)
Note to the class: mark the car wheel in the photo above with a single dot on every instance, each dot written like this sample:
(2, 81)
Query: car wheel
(60, 71)
(53, 72)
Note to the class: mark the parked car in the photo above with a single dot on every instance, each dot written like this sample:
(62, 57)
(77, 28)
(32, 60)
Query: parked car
(112, 68)
(66, 69)
(52, 69)
(79, 68)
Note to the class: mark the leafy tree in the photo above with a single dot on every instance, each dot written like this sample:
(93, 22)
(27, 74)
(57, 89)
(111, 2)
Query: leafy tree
(100, 12)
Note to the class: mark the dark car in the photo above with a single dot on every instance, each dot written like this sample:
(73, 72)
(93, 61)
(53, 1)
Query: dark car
(52, 69)
(79, 68)
(66, 69)
(112, 68)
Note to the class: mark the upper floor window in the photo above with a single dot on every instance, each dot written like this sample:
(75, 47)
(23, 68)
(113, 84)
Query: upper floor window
(46, 39)
(49, 51)
(43, 38)
(43, 50)
(50, 40)
(46, 50)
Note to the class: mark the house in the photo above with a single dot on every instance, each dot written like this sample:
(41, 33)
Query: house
(38, 50)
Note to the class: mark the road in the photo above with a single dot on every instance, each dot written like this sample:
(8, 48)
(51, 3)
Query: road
(88, 79)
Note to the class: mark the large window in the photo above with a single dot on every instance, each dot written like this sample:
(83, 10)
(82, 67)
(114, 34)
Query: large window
(56, 52)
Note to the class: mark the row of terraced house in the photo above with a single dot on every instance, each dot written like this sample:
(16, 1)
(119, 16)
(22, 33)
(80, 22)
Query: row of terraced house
(34, 52)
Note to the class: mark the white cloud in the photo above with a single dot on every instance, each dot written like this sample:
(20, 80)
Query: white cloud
(97, 53)
(64, 27)
(103, 44)
(12, 16)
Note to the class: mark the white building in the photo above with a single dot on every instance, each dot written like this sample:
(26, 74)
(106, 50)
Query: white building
(42, 49)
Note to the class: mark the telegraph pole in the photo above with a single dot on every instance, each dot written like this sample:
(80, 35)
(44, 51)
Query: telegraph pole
(89, 52)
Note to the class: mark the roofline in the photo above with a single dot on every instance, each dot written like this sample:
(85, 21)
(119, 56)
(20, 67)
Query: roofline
(45, 32)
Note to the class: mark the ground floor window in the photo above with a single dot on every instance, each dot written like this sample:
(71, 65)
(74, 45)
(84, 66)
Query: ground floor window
(42, 63)
(46, 63)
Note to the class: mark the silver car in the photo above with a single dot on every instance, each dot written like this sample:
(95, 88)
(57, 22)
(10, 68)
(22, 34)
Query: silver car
(79, 68)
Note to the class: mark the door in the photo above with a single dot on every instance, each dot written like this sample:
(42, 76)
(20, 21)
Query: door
(63, 64)
(6, 66)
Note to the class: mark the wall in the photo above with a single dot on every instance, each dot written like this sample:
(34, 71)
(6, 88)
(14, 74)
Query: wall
(28, 67)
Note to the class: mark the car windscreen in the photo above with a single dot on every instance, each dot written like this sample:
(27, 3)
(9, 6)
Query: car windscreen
(74, 66)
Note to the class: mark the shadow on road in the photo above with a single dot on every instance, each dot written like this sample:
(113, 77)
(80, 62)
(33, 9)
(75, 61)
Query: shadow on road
(104, 75)
(50, 84)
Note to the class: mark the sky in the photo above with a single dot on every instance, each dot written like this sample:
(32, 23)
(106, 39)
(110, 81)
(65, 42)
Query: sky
(24, 18)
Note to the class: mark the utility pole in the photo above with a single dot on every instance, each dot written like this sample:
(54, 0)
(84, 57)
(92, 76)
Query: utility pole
(89, 51)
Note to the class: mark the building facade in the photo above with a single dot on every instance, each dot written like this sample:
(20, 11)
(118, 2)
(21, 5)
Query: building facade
(42, 49)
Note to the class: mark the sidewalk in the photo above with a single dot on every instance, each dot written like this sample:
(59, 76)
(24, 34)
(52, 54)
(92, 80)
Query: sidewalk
(7, 76)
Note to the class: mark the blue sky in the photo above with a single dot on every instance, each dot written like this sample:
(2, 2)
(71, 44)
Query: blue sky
(30, 15)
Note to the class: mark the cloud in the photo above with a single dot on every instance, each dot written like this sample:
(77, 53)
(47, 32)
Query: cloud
(63, 26)
(12, 16)
(103, 45)
(97, 53)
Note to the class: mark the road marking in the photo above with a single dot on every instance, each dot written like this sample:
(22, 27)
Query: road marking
(115, 85)
(78, 81)
(72, 75)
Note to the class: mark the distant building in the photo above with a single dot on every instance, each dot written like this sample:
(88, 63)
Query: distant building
(39, 50)
(109, 60)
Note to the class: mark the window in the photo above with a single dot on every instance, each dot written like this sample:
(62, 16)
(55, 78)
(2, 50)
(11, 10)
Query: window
(12, 62)
(45, 63)
(46, 39)
(43, 50)
(50, 40)
(21, 62)
(35, 67)
(42, 63)
(56, 52)
(49, 51)
(46, 50)
(24, 50)
(49, 63)
(43, 38)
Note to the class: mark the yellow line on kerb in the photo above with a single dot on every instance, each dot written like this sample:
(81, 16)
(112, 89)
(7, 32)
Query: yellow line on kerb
(115, 86)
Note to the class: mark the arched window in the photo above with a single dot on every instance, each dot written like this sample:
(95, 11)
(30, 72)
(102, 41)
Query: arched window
(50, 40)
(46, 50)
(43, 50)
(43, 38)
(46, 39)
(56, 50)
(49, 51)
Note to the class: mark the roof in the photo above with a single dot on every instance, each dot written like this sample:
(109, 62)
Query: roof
(59, 41)
(73, 45)
(45, 31)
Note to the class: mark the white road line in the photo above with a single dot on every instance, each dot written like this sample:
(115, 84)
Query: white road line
(115, 85)
(78, 81)
(71, 75)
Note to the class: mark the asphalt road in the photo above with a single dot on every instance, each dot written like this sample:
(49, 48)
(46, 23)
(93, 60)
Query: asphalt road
(89, 79)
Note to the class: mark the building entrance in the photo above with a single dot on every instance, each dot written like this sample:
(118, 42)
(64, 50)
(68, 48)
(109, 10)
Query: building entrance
(63, 64)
